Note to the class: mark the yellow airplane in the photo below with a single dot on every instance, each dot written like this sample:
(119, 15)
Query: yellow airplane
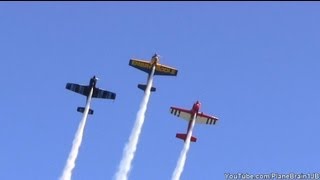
(147, 66)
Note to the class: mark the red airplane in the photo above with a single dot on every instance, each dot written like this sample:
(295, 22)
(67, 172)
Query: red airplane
(189, 116)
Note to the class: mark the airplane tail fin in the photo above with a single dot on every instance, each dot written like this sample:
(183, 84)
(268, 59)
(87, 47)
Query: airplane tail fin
(81, 109)
(143, 87)
(184, 137)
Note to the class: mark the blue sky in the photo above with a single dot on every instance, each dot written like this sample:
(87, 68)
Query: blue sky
(254, 65)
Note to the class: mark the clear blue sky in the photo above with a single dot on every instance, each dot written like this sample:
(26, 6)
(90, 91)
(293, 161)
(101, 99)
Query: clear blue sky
(255, 65)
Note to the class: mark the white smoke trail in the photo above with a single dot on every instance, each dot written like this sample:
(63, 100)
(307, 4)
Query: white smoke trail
(131, 146)
(67, 172)
(183, 155)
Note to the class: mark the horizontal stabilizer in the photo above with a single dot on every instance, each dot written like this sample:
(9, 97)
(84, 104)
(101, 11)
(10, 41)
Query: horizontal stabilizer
(81, 109)
(143, 87)
(184, 137)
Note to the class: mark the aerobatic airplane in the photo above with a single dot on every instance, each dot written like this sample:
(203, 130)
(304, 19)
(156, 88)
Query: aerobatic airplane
(189, 116)
(147, 66)
(85, 90)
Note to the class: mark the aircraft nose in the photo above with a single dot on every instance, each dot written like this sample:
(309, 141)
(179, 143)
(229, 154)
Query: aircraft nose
(95, 78)
(156, 55)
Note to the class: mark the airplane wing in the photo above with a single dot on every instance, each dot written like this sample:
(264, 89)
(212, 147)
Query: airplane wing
(206, 119)
(186, 115)
(140, 64)
(183, 113)
(165, 70)
(81, 89)
(99, 93)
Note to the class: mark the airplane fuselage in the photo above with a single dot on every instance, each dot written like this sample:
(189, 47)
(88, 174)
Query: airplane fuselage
(154, 63)
(196, 107)
(93, 82)
(195, 110)
(154, 66)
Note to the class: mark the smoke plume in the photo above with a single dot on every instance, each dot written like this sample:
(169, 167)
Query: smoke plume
(67, 172)
(183, 155)
(131, 146)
